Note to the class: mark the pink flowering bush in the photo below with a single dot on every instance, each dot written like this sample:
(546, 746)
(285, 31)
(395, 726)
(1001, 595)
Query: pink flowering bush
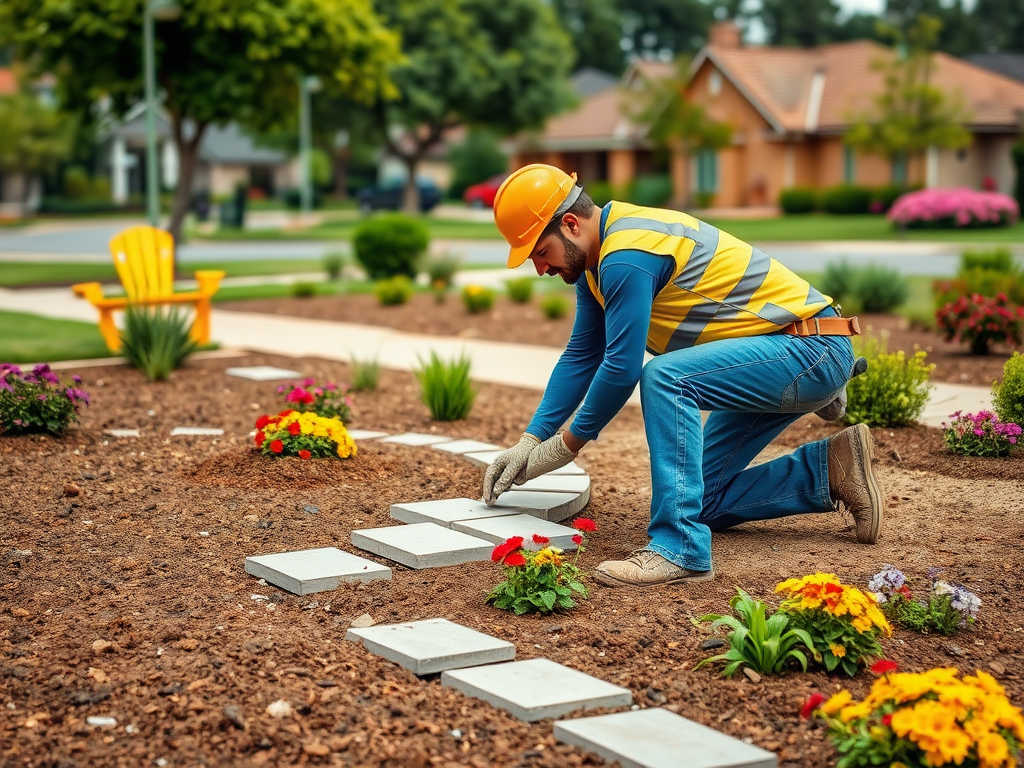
(954, 208)
(37, 400)
(331, 401)
(981, 434)
(980, 321)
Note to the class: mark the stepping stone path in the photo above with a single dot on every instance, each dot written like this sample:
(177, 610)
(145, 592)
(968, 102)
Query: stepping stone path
(262, 373)
(497, 529)
(432, 646)
(444, 512)
(486, 458)
(196, 431)
(536, 689)
(365, 434)
(122, 432)
(423, 545)
(415, 439)
(656, 738)
(555, 507)
(556, 484)
(464, 446)
(314, 570)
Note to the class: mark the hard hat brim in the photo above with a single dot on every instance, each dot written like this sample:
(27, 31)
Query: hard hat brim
(518, 256)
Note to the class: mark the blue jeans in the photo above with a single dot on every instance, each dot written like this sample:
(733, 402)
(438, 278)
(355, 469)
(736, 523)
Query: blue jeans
(754, 387)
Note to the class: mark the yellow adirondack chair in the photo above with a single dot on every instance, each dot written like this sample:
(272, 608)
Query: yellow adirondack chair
(144, 257)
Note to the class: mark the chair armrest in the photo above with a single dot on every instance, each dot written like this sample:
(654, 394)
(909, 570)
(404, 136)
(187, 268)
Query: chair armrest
(91, 292)
(209, 280)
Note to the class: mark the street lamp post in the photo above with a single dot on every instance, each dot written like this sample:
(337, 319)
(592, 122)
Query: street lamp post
(152, 10)
(307, 85)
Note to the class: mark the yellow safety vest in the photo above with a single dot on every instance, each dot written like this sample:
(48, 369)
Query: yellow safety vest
(721, 287)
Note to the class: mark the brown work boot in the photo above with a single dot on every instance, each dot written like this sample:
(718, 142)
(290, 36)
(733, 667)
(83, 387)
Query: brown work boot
(851, 480)
(645, 568)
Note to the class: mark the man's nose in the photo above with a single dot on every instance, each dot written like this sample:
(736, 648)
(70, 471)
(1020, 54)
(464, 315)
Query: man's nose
(541, 269)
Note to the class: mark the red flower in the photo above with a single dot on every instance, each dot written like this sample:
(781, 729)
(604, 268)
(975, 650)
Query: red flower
(515, 542)
(538, 539)
(577, 539)
(884, 667)
(811, 704)
(905, 591)
(260, 437)
(886, 719)
(509, 545)
(304, 454)
(262, 421)
(515, 559)
(277, 446)
(833, 589)
(287, 412)
(294, 428)
(584, 524)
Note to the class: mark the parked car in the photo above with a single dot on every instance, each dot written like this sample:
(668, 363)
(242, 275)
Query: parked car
(388, 196)
(482, 195)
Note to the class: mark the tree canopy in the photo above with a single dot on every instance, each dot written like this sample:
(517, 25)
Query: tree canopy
(33, 136)
(596, 30)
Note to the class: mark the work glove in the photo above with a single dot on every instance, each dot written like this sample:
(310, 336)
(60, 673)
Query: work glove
(550, 455)
(502, 473)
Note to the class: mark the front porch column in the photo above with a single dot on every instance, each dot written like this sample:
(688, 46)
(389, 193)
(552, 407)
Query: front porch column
(621, 168)
(680, 179)
(118, 172)
(931, 169)
(169, 165)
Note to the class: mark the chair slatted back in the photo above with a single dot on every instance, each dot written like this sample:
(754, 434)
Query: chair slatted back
(144, 257)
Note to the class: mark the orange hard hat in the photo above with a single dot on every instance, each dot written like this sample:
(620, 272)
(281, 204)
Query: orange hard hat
(526, 201)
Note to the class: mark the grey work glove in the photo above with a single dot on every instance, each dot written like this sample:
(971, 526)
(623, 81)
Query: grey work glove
(550, 455)
(501, 474)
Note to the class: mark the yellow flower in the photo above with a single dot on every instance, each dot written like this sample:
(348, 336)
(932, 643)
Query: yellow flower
(837, 702)
(546, 556)
(838, 650)
(992, 750)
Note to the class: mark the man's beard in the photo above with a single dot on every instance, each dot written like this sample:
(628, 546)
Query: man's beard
(575, 261)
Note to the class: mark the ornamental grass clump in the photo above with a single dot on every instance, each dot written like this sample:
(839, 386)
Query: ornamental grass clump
(446, 388)
(766, 644)
(539, 577)
(1008, 396)
(365, 374)
(894, 389)
(329, 400)
(912, 720)
(981, 434)
(947, 608)
(554, 306)
(156, 340)
(954, 208)
(844, 624)
(37, 400)
(520, 289)
(477, 299)
(981, 321)
(306, 435)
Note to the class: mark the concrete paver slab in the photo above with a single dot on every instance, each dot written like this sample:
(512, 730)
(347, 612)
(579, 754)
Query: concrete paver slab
(423, 545)
(535, 689)
(486, 458)
(497, 529)
(314, 570)
(196, 431)
(464, 446)
(556, 483)
(444, 512)
(415, 439)
(549, 506)
(656, 738)
(262, 373)
(122, 432)
(365, 434)
(432, 646)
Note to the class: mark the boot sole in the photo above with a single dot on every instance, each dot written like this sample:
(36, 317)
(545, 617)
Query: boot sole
(867, 445)
(610, 581)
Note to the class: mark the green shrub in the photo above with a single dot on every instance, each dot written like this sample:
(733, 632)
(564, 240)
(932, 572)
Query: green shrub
(798, 200)
(883, 197)
(445, 387)
(996, 260)
(477, 298)
(292, 198)
(893, 391)
(365, 374)
(390, 245)
(394, 290)
(846, 199)
(603, 192)
(441, 270)
(650, 190)
(1008, 395)
(156, 340)
(880, 289)
(520, 289)
(839, 281)
(554, 306)
(303, 290)
(334, 262)
(77, 184)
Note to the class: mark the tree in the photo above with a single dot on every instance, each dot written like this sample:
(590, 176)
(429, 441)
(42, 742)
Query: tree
(805, 23)
(503, 65)
(596, 30)
(1001, 25)
(958, 33)
(220, 61)
(660, 29)
(34, 137)
(911, 114)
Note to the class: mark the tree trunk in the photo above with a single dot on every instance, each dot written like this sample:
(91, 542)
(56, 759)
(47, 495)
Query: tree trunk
(411, 197)
(341, 157)
(188, 153)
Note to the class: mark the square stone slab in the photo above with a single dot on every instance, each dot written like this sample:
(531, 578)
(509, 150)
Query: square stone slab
(415, 438)
(549, 506)
(365, 434)
(122, 432)
(262, 373)
(463, 446)
(656, 738)
(196, 431)
(432, 646)
(314, 570)
(556, 483)
(423, 545)
(486, 458)
(535, 689)
(444, 512)
(497, 529)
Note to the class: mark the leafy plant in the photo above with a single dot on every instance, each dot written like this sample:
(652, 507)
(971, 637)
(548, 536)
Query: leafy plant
(334, 262)
(764, 643)
(520, 290)
(365, 374)
(881, 289)
(477, 298)
(303, 290)
(1008, 396)
(893, 391)
(305, 435)
(329, 400)
(980, 434)
(394, 290)
(155, 340)
(37, 401)
(981, 321)
(390, 245)
(839, 280)
(441, 270)
(554, 306)
(948, 607)
(538, 576)
(445, 387)
(996, 260)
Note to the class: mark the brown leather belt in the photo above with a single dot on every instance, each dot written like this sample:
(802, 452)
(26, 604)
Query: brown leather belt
(824, 326)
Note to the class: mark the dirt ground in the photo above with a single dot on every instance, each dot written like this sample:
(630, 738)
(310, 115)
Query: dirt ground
(123, 594)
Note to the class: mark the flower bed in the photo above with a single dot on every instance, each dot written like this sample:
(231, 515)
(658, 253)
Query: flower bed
(957, 208)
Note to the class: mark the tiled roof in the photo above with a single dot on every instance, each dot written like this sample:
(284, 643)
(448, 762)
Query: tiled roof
(1009, 64)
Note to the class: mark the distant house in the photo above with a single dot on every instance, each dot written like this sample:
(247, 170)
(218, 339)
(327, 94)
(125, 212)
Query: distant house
(1007, 64)
(788, 109)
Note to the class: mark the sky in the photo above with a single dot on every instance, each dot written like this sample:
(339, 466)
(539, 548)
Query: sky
(864, 6)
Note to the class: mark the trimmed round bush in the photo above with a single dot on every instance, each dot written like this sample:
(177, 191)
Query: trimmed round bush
(390, 245)
(650, 190)
(846, 199)
(954, 208)
(798, 200)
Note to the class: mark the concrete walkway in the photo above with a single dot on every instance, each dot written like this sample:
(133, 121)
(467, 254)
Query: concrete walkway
(517, 365)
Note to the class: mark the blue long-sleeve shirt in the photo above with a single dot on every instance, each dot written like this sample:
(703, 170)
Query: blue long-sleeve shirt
(602, 362)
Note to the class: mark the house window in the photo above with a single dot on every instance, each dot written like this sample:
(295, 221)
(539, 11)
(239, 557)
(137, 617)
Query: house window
(715, 82)
(707, 171)
(899, 170)
(849, 165)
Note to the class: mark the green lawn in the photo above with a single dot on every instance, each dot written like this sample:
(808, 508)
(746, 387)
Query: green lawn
(343, 229)
(28, 338)
(13, 274)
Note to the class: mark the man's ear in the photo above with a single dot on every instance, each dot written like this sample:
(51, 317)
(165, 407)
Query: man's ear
(571, 223)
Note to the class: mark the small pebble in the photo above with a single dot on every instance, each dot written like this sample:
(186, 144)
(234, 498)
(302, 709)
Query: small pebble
(101, 721)
(754, 677)
(279, 708)
(366, 620)
(711, 643)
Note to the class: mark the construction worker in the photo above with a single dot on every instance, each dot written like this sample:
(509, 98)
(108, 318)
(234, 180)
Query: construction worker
(732, 332)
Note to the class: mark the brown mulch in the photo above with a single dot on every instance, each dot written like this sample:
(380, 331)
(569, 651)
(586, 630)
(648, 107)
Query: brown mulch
(123, 594)
(525, 324)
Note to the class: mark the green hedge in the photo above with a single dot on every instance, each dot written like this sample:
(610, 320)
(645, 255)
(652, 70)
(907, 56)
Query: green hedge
(390, 245)
(798, 200)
